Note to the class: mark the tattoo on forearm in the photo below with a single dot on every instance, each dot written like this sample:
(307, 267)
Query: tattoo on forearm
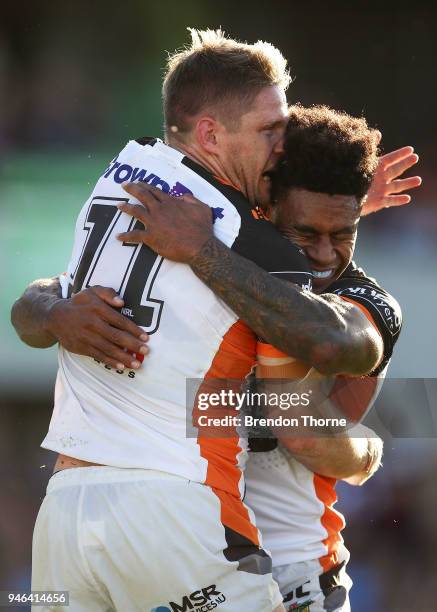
(299, 323)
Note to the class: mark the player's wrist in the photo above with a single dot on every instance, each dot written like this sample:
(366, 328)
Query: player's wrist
(52, 322)
(203, 252)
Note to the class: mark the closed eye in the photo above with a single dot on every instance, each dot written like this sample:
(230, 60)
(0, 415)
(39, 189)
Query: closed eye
(305, 231)
(344, 235)
(272, 127)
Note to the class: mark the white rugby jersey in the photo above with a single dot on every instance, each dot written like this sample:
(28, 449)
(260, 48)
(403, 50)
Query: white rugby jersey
(294, 507)
(137, 419)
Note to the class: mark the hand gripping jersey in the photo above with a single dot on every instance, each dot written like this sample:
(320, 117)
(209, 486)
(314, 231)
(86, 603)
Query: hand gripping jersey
(294, 506)
(137, 419)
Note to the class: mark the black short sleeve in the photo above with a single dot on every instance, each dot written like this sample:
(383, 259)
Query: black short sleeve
(383, 307)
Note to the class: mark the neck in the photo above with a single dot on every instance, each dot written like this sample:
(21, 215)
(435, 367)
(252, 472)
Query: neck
(212, 164)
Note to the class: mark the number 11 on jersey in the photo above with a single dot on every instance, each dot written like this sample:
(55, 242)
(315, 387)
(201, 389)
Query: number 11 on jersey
(130, 269)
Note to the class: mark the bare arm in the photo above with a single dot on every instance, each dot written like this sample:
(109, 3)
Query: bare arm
(30, 314)
(343, 456)
(326, 332)
(87, 323)
(340, 448)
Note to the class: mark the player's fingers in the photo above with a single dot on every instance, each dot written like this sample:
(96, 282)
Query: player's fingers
(123, 323)
(398, 168)
(142, 192)
(99, 311)
(138, 211)
(396, 200)
(394, 156)
(121, 339)
(158, 194)
(134, 236)
(108, 295)
(115, 354)
(100, 356)
(404, 184)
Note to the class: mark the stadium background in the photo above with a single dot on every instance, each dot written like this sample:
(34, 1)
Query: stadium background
(78, 79)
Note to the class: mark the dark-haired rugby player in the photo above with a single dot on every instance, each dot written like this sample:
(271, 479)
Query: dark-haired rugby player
(319, 188)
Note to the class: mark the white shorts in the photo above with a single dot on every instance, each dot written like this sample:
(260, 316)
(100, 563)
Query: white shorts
(313, 591)
(131, 540)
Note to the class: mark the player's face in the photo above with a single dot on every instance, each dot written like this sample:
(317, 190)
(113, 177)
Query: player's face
(324, 226)
(256, 146)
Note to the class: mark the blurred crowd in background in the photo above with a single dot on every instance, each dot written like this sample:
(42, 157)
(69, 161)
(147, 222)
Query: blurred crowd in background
(79, 79)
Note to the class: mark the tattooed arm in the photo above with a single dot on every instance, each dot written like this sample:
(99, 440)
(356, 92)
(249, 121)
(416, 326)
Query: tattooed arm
(324, 331)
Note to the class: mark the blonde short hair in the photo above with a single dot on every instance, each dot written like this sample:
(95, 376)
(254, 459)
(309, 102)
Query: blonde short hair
(218, 75)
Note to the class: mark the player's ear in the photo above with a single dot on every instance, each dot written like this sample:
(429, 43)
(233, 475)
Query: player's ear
(206, 131)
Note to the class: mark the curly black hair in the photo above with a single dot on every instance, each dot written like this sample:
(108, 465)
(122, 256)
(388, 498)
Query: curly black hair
(326, 151)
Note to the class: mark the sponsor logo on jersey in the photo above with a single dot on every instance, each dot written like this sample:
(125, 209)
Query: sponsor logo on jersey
(179, 190)
(387, 311)
(130, 373)
(121, 173)
(203, 600)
